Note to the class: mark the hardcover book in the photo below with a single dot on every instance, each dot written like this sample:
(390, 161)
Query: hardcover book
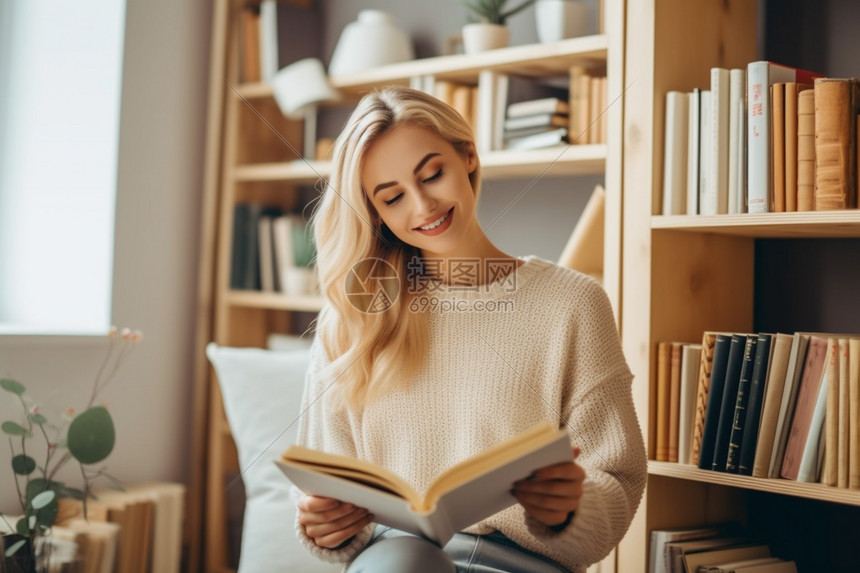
(747, 415)
(740, 353)
(722, 344)
(837, 102)
(806, 150)
(796, 357)
(807, 394)
(690, 361)
(762, 443)
(459, 497)
(703, 385)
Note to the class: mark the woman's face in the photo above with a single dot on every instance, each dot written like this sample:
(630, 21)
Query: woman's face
(419, 185)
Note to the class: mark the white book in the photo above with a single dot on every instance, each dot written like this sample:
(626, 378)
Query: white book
(707, 206)
(282, 239)
(716, 193)
(539, 140)
(266, 254)
(690, 358)
(535, 106)
(486, 114)
(675, 154)
(693, 146)
(500, 107)
(813, 450)
(268, 40)
(737, 87)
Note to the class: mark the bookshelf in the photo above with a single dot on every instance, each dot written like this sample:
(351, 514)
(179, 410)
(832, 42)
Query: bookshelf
(698, 273)
(247, 161)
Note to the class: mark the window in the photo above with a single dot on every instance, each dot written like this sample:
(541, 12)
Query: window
(60, 87)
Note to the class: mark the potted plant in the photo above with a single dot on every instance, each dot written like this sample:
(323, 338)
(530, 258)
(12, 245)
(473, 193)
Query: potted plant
(490, 31)
(86, 437)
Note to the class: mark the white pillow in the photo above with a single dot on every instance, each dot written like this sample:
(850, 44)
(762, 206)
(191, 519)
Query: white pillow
(262, 393)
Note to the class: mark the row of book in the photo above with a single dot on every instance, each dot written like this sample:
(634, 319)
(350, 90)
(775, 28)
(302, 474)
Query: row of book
(138, 530)
(578, 117)
(719, 548)
(768, 405)
(267, 242)
(768, 138)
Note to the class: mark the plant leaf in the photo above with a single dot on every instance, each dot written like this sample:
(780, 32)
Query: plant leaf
(22, 528)
(91, 435)
(14, 429)
(12, 386)
(43, 499)
(37, 418)
(15, 547)
(71, 492)
(23, 465)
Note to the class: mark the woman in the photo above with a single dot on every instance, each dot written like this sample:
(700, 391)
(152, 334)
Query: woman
(457, 347)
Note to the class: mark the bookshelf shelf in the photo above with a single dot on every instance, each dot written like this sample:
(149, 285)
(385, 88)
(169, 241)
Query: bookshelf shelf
(533, 60)
(811, 224)
(274, 301)
(551, 162)
(815, 491)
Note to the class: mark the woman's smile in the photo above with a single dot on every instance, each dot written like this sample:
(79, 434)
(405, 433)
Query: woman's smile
(437, 226)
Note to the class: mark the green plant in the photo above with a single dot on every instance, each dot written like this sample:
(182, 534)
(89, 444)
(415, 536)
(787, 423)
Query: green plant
(87, 438)
(493, 11)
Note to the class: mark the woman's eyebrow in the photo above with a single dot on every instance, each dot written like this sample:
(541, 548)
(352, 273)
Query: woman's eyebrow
(418, 167)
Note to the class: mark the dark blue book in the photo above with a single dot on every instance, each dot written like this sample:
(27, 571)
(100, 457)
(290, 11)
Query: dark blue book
(754, 404)
(739, 416)
(737, 351)
(715, 397)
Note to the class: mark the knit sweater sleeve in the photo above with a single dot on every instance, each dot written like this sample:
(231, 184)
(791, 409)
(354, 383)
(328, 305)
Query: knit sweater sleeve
(601, 419)
(323, 428)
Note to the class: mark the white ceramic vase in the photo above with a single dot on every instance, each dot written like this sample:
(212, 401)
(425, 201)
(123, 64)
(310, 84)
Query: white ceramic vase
(560, 19)
(372, 40)
(480, 37)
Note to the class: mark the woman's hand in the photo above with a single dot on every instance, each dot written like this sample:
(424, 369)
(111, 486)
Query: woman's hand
(551, 493)
(329, 522)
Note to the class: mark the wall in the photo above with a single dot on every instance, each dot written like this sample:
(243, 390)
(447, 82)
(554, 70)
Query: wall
(158, 197)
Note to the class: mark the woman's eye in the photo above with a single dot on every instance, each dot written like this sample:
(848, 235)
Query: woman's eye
(434, 177)
(394, 200)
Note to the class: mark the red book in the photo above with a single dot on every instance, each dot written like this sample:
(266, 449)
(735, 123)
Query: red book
(807, 394)
(760, 76)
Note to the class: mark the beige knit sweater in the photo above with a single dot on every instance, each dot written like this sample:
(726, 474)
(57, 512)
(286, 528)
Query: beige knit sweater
(549, 351)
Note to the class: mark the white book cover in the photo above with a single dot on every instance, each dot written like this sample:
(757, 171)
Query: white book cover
(282, 239)
(486, 115)
(268, 39)
(675, 154)
(737, 88)
(707, 199)
(690, 359)
(500, 106)
(717, 192)
(693, 145)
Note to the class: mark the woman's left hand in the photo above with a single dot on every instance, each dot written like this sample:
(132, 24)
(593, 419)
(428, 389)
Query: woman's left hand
(551, 493)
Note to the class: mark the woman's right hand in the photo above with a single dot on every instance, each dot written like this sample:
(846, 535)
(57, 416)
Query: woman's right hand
(329, 522)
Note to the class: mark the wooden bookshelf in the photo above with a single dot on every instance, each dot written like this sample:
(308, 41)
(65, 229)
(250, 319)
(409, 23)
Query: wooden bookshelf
(809, 225)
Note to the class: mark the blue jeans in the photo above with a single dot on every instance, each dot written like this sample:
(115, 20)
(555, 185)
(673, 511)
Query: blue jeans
(394, 551)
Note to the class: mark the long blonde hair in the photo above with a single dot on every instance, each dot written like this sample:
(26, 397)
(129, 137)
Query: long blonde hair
(369, 352)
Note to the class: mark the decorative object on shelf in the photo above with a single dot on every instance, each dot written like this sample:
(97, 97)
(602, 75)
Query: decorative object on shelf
(87, 437)
(298, 88)
(372, 40)
(491, 31)
(560, 19)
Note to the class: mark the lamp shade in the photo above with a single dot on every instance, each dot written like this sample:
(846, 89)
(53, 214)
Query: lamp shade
(301, 85)
(371, 41)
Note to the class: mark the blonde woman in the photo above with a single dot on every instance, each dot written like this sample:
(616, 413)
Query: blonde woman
(457, 347)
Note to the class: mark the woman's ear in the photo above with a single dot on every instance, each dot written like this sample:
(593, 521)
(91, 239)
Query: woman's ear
(470, 157)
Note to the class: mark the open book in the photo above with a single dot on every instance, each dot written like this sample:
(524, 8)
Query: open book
(459, 497)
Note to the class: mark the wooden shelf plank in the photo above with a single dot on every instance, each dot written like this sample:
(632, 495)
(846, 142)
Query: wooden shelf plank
(778, 486)
(809, 224)
(535, 60)
(274, 301)
(550, 162)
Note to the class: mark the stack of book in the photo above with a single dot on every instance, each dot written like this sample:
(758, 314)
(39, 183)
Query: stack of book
(719, 548)
(763, 404)
(536, 123)
(767, 138)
